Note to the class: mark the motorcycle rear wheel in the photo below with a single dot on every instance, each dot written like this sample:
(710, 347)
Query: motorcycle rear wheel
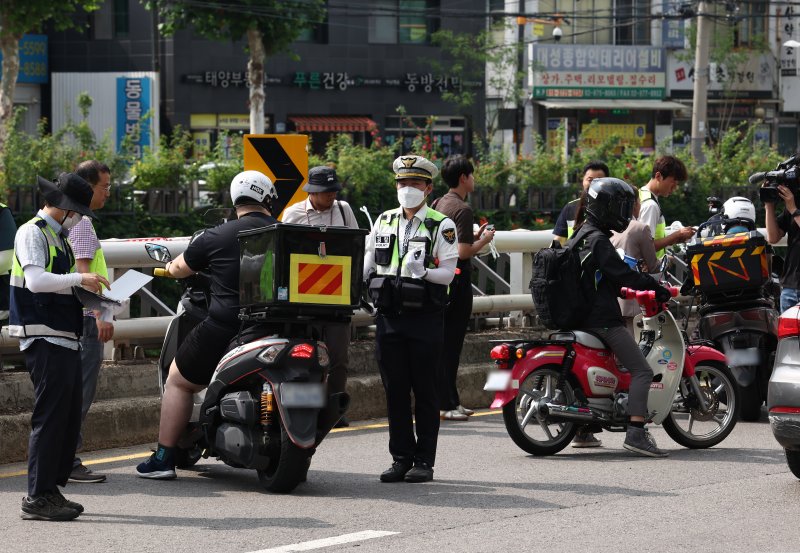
(187, 457)
(287, 466)
(694, 429)
(539, 435)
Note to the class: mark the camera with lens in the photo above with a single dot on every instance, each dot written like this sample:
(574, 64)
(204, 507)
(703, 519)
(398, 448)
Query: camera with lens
(786, 174)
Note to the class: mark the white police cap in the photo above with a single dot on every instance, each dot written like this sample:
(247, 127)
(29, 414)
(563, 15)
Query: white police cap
(414, 167)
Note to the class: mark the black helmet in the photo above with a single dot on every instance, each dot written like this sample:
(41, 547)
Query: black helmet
(609, 203)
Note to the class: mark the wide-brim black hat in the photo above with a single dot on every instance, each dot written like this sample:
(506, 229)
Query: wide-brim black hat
(70, 192)
(322, 179)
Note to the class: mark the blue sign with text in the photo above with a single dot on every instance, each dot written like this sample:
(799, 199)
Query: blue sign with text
(32, 59)
(133, 121)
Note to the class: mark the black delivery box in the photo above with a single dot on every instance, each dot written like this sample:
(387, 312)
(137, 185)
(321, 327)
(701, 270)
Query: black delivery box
(300, 269)
(729, 262)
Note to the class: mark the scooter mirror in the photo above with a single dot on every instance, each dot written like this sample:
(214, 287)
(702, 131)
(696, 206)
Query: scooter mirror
(158, 252)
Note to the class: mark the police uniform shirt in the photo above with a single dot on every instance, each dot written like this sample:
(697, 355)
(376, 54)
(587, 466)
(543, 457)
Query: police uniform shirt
(303, 213)
(445, 244)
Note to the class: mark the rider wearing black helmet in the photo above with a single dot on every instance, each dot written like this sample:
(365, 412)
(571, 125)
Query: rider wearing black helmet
(608, 206)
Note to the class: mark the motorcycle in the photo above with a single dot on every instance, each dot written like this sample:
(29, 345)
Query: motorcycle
(549, 388)
(266, 406)
(740, 319)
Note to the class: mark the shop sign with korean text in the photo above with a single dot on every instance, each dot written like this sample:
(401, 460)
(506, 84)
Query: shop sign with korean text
(596, 71)
(133, 113)
(751, 79)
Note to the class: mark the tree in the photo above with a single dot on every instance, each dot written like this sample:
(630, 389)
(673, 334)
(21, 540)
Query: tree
(18, 17)
(269, 26)
(475, 57)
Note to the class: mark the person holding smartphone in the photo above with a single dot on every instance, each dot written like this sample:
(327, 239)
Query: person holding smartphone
(458, 174)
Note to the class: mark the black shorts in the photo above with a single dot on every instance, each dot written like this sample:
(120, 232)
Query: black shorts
(202, 349)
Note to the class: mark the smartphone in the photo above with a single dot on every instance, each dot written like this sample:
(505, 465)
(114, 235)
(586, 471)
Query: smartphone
(489, 227)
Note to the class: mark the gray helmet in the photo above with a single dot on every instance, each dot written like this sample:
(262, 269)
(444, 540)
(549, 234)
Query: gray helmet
(609, 203)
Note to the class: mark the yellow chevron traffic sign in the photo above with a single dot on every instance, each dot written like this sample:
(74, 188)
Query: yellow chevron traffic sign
(284, 159)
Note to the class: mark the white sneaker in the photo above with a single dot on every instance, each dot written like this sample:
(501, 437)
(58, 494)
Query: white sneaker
(454, 415)
(464, 411)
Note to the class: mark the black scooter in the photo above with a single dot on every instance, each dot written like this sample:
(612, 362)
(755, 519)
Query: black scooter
(266, 407)
(742, 321)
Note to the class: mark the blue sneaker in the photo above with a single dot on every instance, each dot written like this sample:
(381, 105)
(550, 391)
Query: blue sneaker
(156, 469)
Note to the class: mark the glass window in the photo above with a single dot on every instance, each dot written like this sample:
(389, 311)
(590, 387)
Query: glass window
(102, 20)
(632, 25)
(403, 21)
(121, 18)
(383, 22)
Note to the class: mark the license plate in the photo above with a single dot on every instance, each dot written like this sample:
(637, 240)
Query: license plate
(302, 394)
(743, 357)
(497, 381)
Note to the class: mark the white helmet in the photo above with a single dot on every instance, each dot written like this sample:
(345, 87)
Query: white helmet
(252, 187)
(739, 208)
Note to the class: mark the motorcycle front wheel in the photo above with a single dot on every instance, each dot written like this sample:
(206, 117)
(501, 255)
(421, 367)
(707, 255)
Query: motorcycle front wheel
(288, 464)
(533, 433)
(691, 426)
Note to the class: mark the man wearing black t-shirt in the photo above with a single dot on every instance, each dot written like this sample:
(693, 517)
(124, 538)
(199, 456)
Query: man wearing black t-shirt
(777, 228)
(215, 252)
(566, 219)
(457, 173)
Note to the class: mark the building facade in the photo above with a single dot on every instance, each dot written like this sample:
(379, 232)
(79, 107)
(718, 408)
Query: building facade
(349, 74)
(625, 67)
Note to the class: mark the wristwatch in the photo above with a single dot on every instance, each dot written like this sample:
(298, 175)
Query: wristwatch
(795, 213)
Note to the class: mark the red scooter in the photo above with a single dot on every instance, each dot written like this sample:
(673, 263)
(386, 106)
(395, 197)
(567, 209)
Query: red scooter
(550, 388)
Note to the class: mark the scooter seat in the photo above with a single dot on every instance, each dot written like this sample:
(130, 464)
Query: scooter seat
(582, 337)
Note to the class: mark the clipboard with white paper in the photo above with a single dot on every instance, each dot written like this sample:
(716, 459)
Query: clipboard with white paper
(121, 289)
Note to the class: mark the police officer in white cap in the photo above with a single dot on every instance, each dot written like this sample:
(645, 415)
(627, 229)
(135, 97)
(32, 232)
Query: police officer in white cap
(411, 257)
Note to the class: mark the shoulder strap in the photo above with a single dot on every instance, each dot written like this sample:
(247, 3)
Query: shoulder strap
(435, 202)
(341, 211)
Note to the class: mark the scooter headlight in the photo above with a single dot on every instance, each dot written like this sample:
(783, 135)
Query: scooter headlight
(323, 356)
(269, 354)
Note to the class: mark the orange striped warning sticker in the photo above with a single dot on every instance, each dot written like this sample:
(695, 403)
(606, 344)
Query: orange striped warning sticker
(314, 279)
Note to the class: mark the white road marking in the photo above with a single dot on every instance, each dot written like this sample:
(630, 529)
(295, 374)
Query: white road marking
(327, 542)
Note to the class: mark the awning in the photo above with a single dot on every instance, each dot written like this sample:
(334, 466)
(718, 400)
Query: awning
(612, 104)
(333, 124)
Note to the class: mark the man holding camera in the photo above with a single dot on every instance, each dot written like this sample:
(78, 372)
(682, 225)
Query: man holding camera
(777, 227)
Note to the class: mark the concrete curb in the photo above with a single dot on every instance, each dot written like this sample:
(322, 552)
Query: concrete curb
(129, 421)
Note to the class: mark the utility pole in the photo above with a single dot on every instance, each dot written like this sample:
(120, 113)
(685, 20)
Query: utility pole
(701, 78)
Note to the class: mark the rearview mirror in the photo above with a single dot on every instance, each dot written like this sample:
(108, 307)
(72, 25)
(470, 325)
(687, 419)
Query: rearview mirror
(158, 252)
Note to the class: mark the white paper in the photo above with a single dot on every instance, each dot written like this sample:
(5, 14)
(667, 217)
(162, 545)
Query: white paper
(126, 285)
(121, 289)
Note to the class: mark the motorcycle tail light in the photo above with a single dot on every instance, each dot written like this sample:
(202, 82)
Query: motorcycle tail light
(322, 355)
(270, 354)
(720, 318)
(501, 352)
(788, 326)
(302, 351)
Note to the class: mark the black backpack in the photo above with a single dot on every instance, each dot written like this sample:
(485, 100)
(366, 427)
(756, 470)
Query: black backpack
(560, 300)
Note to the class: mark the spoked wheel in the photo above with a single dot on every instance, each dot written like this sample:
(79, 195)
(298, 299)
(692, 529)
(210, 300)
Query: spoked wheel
(530, 431)
(288, 464)
(695, 428)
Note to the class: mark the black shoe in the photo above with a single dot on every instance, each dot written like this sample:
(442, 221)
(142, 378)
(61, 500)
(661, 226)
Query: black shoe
(396, 472)
(342, 423)
(62, 501)
(422, 472)
(45, 507)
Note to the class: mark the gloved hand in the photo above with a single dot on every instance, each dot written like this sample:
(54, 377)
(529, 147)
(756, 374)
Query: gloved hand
(662, 295)
(416, 264)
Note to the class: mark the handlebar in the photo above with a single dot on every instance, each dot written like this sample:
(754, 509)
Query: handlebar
(727, 222)
(647, 299)
(159, 272)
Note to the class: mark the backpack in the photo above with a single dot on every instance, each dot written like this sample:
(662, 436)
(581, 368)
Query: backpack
(558, 295)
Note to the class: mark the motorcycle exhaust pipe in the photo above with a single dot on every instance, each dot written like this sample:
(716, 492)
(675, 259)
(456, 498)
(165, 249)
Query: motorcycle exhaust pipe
(579, 414)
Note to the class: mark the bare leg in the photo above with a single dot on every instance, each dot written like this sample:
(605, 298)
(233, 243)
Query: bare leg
(176, 407)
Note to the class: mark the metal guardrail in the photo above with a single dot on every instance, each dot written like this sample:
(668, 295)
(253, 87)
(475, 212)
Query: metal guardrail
(124, 254)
